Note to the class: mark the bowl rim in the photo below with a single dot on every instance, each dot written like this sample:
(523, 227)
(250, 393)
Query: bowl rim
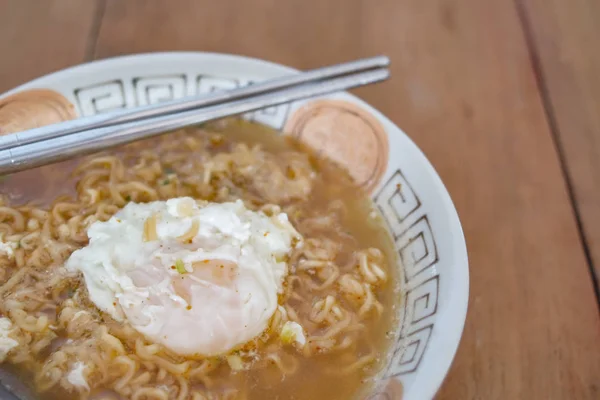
(459, 300)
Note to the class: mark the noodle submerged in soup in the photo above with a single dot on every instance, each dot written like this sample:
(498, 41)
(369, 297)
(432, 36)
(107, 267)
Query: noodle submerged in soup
(328, 285)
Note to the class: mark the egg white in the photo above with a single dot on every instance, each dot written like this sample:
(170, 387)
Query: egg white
(227, 290)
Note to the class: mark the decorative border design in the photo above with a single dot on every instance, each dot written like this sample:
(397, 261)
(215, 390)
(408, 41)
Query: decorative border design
(101, 98)
(423, 299)
(152, 90)
(408, 358)
(418, 255)
(401, 201)
(113, 95)
(417, 248)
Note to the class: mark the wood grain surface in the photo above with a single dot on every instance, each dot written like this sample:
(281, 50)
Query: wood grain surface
(39, 37)
(564, 37)
(464, 87)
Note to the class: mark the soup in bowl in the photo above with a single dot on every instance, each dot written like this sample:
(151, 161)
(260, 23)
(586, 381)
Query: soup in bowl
(228, 260)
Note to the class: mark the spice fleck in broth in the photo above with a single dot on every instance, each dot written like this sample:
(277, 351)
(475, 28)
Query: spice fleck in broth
(330, 330)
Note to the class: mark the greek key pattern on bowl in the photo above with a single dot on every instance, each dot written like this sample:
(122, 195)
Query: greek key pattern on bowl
(418, 254)
(96, 99)
(143, 90)
(152, 90)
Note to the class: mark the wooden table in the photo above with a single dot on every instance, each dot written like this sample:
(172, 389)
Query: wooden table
(502, 96)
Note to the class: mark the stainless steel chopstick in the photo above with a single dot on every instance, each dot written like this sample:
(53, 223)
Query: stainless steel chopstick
(93, 140)
(120, 117)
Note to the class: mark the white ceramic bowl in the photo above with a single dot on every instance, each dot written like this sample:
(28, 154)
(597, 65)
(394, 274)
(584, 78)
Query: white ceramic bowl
(412, 198)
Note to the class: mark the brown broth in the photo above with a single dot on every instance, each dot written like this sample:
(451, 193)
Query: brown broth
(313, 379)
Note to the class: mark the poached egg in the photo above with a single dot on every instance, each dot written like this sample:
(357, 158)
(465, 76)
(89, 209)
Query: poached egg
(199, 278)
